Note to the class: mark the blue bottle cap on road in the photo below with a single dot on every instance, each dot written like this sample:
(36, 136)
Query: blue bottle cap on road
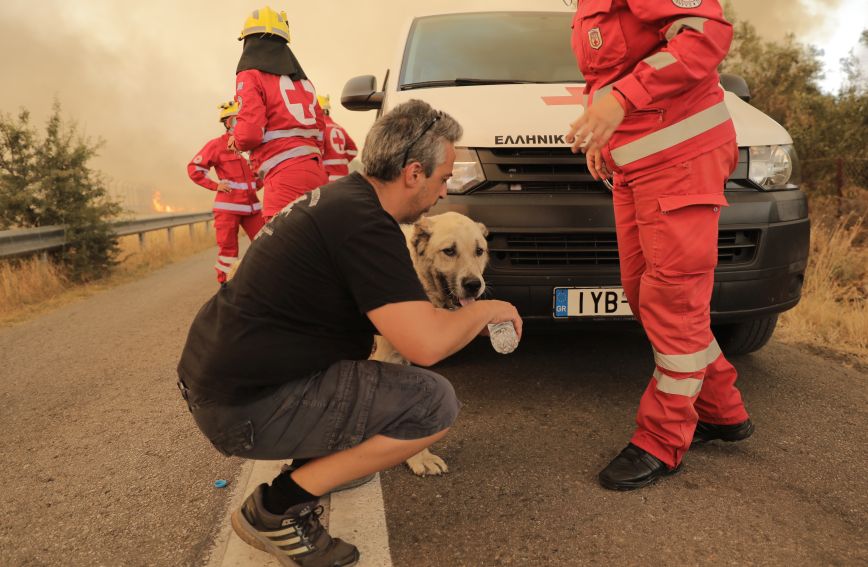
(220, 483)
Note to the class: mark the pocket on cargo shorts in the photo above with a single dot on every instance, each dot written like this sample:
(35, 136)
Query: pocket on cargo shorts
(235, 439)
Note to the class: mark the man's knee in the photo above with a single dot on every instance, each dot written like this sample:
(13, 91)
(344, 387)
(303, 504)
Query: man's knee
(444, 406)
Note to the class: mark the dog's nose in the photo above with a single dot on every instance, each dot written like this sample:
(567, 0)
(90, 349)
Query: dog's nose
(471, 286)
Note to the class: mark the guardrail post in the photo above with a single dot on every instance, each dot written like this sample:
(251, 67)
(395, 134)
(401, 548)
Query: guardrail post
(169, 234)
(141, 240)
(191, 226)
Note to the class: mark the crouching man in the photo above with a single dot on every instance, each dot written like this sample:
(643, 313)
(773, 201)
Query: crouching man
(275, 365)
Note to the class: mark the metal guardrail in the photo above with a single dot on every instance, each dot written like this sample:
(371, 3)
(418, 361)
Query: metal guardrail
(19, 242)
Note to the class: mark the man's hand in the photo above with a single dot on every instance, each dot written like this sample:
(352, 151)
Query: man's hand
(501, 311)
(223, 187)
(596, 125)
(597, 165)
(231, 144)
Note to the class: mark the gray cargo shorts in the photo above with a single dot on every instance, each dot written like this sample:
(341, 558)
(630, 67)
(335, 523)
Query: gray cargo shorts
(330, 411)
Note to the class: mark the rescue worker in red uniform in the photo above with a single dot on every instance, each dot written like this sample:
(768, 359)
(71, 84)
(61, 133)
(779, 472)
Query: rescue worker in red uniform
(340, 149)
(235, 204)
(279, 120)
(657, 121)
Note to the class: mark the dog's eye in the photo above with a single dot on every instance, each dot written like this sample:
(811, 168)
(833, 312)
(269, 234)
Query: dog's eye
(449, 251)
(479, 251)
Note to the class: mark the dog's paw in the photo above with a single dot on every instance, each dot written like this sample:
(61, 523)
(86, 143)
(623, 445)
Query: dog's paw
(426, 463)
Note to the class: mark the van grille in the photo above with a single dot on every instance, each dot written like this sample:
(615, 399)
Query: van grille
(597, 249)
(538, 170)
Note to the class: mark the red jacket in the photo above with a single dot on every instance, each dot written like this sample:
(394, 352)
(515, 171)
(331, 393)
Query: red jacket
(340, 150)
(662, 57)
(230, 167)
(279, 120)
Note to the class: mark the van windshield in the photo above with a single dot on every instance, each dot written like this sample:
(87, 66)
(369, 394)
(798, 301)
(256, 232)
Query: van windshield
(490, 48)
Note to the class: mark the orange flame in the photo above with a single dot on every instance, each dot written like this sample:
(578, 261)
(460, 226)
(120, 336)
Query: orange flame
(156, 202)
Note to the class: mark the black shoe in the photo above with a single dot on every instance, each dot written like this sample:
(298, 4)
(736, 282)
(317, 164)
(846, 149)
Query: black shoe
(706, 432)
(296, 538)
(633, 468)
(355, 483)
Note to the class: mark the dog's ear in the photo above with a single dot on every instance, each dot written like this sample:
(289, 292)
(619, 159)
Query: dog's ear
(421, 235)
(483, 228)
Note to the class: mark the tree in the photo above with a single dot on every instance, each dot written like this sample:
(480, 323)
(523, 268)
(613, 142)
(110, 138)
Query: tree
(47, 181)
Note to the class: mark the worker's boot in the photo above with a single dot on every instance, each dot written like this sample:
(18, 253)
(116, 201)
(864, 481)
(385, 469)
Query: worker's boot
(633, 468)
(706, 432)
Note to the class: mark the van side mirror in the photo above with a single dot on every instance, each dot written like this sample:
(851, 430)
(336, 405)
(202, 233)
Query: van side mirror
(736, 85)
(360, 93)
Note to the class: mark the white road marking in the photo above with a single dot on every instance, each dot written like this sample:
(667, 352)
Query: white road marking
(356, 515)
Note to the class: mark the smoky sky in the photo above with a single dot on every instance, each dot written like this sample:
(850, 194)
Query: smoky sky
(147, 77)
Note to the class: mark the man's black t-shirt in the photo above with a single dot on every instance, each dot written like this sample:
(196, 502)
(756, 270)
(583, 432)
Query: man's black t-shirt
(298, 301)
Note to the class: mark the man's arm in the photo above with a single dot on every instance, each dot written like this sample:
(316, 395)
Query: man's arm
(425, 335)
(201, 165)
(697, 41)
(251, 121)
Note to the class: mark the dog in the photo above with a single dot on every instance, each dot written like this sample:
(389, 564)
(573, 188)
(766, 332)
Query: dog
(449, 253)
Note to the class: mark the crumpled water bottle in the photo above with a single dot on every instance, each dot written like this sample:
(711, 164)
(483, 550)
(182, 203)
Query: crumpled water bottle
(503, 337)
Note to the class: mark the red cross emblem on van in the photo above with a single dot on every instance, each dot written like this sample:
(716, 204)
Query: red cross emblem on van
(595, 38)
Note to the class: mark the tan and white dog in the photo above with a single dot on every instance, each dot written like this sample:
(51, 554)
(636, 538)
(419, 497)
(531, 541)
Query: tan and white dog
(449, 253)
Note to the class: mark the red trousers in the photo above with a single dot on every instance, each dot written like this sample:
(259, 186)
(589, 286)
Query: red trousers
(667, 223)
(287, 184)
(226, 225)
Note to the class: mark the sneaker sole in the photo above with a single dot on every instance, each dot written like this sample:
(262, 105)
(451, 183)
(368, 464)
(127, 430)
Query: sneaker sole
(251, 536)
(624, 487)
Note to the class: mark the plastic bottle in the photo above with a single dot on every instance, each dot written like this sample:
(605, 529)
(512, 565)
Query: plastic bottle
(503, 337)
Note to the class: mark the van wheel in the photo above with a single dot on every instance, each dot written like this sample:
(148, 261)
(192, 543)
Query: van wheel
(745, 337)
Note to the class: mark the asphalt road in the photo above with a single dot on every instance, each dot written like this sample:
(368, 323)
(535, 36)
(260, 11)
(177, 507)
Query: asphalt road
(102, 465)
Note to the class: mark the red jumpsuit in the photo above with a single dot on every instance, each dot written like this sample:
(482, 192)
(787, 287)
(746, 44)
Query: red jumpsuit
(238, 207)
(281, 123)
(340, 150)
(670, 157)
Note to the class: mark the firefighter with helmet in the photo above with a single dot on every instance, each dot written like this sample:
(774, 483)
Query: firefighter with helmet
(656, 119)
(280, 121)
(235, 203)
(340, 149)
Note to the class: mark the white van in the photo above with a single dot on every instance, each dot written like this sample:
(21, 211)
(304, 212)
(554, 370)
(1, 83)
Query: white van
(511, 80)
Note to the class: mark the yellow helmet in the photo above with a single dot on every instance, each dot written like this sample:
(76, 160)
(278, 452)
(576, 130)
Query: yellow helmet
(266, 20)
(324, 102)
(228, 109)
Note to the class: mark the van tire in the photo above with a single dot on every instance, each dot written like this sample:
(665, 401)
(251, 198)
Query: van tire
(745, 337)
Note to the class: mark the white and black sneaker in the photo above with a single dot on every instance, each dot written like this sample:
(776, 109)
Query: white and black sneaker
(296, 538)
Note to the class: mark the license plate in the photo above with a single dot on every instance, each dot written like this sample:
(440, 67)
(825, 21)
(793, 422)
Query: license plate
(590, 302)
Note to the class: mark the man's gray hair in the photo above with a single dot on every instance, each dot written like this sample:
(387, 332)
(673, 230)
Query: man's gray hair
(413, 126)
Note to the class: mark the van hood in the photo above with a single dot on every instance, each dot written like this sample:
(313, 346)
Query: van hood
(539, 115)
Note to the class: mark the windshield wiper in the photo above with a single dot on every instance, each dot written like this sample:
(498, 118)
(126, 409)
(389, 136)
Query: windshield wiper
(462, 82)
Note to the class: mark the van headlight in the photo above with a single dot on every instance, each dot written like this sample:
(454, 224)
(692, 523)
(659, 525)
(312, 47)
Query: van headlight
(467, 172)
(774, 167)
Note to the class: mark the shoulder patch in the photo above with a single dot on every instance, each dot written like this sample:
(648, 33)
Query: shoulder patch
(687, 3)
(197, 159)
(240, 86)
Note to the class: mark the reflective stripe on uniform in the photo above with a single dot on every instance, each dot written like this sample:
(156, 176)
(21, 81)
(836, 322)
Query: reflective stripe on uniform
(240, 185)
(268, 164)
(693, 23)
(665, 138)
(678, 386)
(228, 259)
(334, 177)
(293, 133)
(602, 91)
(335, 162)
(257, 206)
(236, 207)
(200, 168)
(352, 152)
(660, 59)
(222, 268)
(693, 362)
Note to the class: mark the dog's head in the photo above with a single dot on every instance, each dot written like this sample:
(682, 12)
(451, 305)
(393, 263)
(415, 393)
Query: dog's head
(450, 254)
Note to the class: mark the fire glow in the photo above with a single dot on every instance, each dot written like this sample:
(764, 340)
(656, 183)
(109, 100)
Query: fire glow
(160, 207)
